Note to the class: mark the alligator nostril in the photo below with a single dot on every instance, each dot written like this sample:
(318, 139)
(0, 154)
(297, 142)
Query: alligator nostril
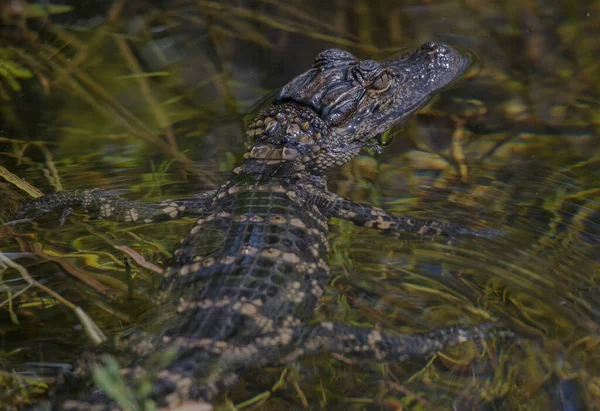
(443, 49)
(435, 48)
(430, 46)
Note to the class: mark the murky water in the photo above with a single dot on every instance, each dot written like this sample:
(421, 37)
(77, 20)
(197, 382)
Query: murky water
(151, 102)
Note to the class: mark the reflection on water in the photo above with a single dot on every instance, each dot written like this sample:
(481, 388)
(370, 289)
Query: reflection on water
(151, 102)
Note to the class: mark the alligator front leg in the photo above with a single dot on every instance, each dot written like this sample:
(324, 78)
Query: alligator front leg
(112, 207)
(333, 205)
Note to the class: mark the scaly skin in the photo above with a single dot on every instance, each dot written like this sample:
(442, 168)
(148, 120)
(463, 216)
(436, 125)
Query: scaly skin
(249, 274)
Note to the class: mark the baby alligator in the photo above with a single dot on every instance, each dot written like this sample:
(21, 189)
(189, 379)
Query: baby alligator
(249, 274)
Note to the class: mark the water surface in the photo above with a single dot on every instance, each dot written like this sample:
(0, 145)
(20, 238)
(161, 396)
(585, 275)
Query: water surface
(150, 102)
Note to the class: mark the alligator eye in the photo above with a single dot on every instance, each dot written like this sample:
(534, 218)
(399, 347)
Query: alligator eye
(383, 82)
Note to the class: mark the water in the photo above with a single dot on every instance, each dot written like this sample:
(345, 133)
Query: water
(514, 146)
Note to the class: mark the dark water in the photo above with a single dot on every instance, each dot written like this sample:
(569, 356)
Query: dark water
(149, 100)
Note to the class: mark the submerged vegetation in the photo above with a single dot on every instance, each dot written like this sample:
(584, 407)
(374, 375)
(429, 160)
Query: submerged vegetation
(148, 99)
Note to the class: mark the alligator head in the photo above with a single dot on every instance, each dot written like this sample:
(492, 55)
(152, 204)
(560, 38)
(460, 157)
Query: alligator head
(324, 117)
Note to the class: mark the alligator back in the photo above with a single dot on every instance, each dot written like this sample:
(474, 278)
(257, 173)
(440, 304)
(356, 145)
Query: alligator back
(247, 272)
(259, 256)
